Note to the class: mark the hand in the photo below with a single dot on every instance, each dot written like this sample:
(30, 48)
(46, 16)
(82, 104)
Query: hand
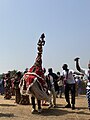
(76, 59)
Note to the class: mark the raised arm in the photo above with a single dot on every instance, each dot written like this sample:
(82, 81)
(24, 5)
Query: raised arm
(78, 66)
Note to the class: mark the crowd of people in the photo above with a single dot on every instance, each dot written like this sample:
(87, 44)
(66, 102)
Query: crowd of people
(45, 87)
(59, 84)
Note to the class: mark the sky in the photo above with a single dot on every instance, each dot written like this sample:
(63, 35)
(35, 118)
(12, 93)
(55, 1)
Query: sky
(66, 24)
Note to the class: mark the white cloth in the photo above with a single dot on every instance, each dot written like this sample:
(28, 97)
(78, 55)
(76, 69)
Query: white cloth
(51, 81)
(70, 78)
(86, 73)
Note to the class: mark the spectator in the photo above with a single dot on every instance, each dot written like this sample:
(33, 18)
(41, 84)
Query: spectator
(69, 85)
(7, 86)
(86, 72)
(53, 86)
(2, 86)
(16, 86)
(60, 84)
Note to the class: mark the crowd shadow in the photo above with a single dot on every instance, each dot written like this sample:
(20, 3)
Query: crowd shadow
(60, 110)
(6, 115)
(8, 105)
(83, 113)
(79, 108)
(53, 112)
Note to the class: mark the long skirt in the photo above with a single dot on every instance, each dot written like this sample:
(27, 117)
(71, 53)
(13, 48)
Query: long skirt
(37, 91)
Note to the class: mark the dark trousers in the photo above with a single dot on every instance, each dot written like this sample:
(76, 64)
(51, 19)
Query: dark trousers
(70, 89)
(33, 103)
(17, 95)
(88, 97)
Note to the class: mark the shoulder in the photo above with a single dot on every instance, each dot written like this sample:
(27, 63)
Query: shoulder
(55, 75)
(50, 77)
(63, 72)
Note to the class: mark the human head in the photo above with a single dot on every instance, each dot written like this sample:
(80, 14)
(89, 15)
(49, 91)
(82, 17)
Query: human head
(58, 73)
(26, 69)
(8, 75)
(50, 70)
(89, 64)
(65, 66)
(18, 73)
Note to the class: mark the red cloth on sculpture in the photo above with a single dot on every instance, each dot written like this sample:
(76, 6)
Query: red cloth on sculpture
(29, 78)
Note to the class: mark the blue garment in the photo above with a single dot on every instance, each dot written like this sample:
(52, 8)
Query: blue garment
(1, 87)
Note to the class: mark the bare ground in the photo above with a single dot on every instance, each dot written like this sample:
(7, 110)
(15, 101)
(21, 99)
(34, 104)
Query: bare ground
(12, 111)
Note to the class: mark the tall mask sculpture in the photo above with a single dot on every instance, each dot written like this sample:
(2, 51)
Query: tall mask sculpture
(33, 81)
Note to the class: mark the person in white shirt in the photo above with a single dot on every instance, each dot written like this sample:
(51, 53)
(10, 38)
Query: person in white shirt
(60, 84)
(86, 72)
(69, 85)
(52, 85)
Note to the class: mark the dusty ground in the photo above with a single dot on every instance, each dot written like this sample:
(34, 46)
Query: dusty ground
(11, 111)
